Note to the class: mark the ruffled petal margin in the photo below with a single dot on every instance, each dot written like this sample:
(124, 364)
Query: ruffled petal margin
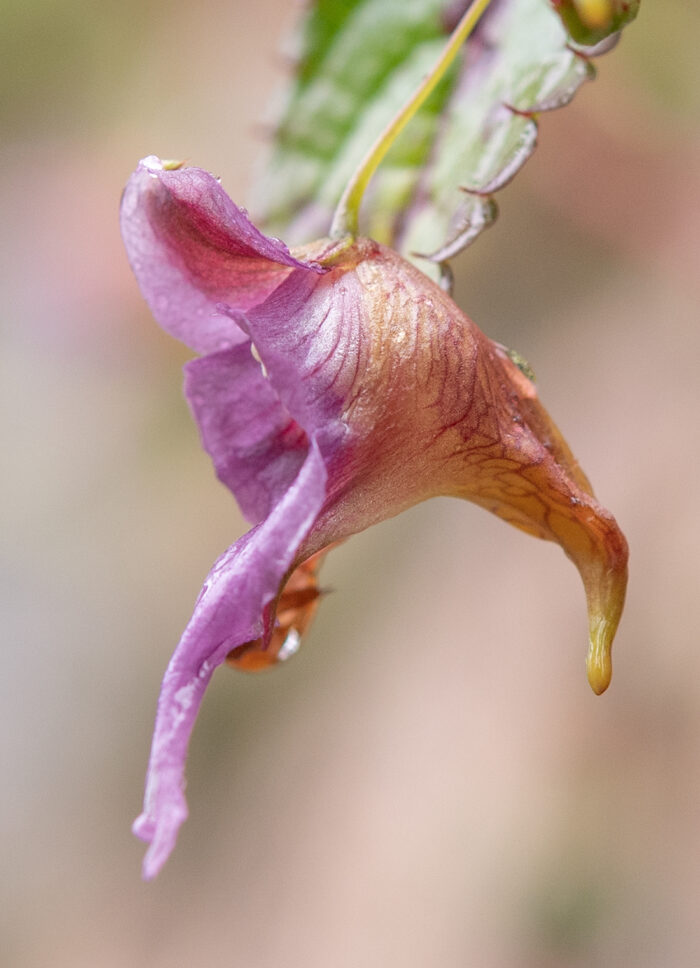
(191, 248)
(228, 613)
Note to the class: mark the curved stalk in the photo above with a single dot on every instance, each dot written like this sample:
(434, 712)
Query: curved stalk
(345, 219)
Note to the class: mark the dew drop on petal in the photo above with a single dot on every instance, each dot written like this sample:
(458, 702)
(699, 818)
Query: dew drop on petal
(152, 164)
(256, 356)
(289, 646)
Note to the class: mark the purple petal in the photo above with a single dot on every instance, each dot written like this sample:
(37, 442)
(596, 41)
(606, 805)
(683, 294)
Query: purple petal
(191, 249)
(311, 334)
(228, 613)
(256, 447)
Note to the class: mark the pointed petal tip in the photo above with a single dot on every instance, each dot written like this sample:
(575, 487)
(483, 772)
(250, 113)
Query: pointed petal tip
(599, 665)
(161, 835)
(605, 590)
(150, 870)
(603, 622)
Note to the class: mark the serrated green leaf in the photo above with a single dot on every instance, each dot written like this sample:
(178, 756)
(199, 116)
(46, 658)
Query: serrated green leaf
(361, 59)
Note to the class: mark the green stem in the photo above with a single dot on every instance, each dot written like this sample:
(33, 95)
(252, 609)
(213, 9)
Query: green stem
(345, 219)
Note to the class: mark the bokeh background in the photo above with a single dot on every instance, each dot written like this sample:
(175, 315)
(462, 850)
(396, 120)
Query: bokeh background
(430, 781)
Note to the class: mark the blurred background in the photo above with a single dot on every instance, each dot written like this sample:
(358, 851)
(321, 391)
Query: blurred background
(431, 780)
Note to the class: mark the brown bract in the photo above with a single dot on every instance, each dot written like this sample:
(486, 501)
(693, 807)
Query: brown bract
(288, 620)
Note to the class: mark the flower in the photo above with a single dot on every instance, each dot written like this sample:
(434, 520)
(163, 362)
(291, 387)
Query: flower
(336, 387)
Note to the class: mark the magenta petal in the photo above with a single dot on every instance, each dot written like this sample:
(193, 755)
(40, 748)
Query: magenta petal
(191, 249)
(228, 613)
(312, 336)
(256, 447)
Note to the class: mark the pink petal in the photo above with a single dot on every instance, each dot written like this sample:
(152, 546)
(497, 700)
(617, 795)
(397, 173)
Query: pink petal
(228, 613)
(191, 248)
(313, 335)
(256, 447)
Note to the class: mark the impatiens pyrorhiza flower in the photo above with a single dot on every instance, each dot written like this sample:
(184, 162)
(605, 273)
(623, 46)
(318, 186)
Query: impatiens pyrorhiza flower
(335, 386)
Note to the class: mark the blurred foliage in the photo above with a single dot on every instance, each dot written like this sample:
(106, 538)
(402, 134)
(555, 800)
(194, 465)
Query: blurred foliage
(59, 60)
(358, 62)
(662, 59)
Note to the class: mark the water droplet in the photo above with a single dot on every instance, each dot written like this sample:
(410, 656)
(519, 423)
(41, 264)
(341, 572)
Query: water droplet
(289, 646)
(152, 164)
(256, 356)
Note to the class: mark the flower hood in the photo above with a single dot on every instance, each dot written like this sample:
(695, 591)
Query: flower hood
(336, 387)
